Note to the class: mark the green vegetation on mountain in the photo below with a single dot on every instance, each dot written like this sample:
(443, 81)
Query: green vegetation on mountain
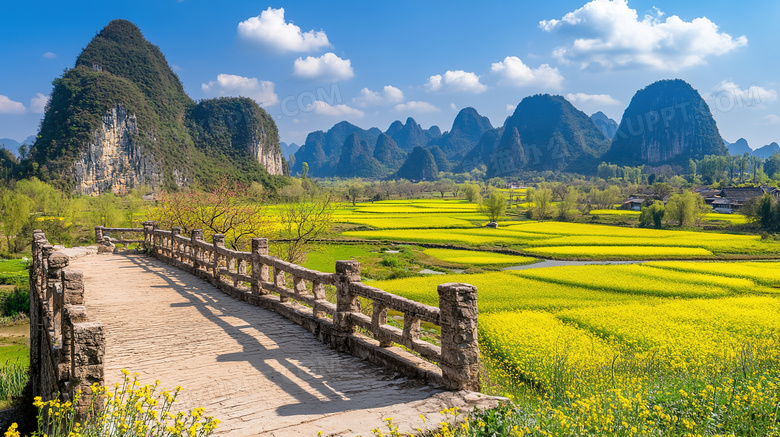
(357, 161)
(388, 153)
(419, 166)
(119, 68)
(467, 128)
(545, 133)
(667, 122)
(322, 150)
(225, 131)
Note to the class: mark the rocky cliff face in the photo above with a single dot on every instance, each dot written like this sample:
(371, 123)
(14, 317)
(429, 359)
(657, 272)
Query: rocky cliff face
(113, 161)
(267, 157)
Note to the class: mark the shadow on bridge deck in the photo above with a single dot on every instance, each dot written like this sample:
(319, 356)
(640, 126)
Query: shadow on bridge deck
(249, 367)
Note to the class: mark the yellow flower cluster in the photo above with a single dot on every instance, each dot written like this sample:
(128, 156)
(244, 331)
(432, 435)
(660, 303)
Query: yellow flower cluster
(126, 409)
(638, 279)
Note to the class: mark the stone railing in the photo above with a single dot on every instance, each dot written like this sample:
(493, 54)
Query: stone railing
(298, 294)
(106, 238)
(66, 349)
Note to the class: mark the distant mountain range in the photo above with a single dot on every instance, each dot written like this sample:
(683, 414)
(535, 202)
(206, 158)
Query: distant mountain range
(13, 145)
(666, 123)
(346, 150)
(606, 124)
(288, 150)
(740, 147)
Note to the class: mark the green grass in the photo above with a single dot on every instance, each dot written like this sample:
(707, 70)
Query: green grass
(324, 257)
(13, 271)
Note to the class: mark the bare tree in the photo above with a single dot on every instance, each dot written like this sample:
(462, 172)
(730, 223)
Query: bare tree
(226, 210)
(300, 224)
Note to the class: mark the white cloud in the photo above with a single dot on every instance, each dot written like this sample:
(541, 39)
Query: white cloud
(49, 55)
(270, 29)
(453, 107)
(38, 103)
(510, 108)
(8, 106)
(416, 106)
(457, 81)
(771, 119)
(388, 95)
(592, 99)
(752, 96)
(513, 71)
(327, 67)
(322, 108)
(609, 35)
(261, 91)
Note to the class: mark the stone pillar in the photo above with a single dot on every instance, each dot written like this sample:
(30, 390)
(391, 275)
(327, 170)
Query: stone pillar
(196, 235)
(219, 242)
(98, 235)
(259, 270)
(87, 352)
(149, 227)
(57, 262)
(459, 347)
(175, 247)
(346, 302)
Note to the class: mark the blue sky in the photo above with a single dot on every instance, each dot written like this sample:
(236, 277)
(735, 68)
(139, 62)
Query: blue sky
(374, 62)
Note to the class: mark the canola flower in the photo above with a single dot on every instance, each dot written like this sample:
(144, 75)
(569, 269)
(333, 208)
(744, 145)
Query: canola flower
(126, 409)
(638, 279)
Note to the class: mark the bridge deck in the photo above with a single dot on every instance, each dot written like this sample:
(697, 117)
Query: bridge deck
(251, 368)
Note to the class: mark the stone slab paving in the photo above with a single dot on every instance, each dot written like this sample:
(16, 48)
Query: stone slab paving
(251, 368)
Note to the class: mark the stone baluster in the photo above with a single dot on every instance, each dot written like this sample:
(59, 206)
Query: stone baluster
(196, 235)
(280, 281)
(378, 319)
(149, 227)
(219, 242)
(459, 347)
(346, 301)
(98, 235)
(175, 247)
(259, 270)
(241, 269)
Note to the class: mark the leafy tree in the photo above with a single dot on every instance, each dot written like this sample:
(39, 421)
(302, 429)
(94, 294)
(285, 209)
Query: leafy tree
(765, 211)
(105, 210)
(772, 166)
(542, 200)
(16, 213)
(304, 170)
(444, 185)
(354, 190)
(686, 209)
(568, 203)
(496, 182)
(494, 206)
(473, 193)
(652, 214)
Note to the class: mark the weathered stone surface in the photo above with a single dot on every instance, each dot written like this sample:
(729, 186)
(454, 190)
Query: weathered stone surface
(253, 369)
(459, 345)
(113, 161)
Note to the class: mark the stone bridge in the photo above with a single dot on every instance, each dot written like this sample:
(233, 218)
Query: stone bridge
(251, 338)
